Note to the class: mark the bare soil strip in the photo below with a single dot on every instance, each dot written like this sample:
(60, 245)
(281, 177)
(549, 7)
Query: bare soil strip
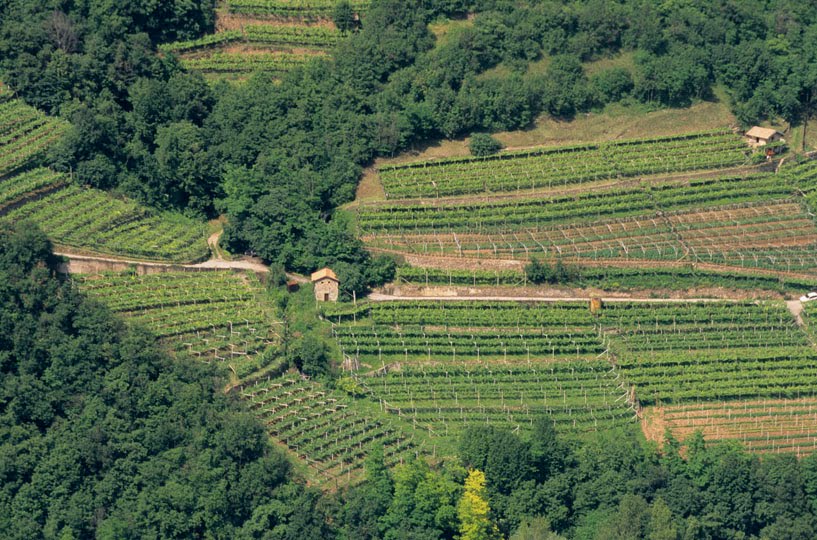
(762, 425)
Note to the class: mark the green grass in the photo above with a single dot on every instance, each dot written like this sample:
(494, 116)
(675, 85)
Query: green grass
(620, 60)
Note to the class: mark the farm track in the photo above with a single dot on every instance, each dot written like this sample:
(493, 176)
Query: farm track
(380, 297)
(158, 267)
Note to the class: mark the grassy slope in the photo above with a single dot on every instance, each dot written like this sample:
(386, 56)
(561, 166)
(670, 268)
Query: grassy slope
(615, 122)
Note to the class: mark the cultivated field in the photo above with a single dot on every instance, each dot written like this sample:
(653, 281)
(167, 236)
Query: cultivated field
(327, 429)
(267, 36)
(775, 426)
(443, 364)
(75, 217)
(291, 8)
(410, 332)
(562, 166)
(442, 398)
(212, 316)
(25, 133)
(222, 318)
(614, 204)
(674, 353)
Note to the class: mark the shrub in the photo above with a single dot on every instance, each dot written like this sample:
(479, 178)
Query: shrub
(482, 144)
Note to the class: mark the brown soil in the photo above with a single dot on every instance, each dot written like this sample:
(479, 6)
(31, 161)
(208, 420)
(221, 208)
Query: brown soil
(369, 187)
(232, 21)
(653, 425)
(716, 423)
(250, 50)
(534, 293)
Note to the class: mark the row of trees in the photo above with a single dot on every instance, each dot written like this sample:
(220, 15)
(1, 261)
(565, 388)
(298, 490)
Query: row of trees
(607, 487)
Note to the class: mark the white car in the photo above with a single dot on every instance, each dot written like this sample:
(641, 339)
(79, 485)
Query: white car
(809, 297)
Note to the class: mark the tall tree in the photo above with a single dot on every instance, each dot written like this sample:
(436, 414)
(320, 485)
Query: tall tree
(473, 510)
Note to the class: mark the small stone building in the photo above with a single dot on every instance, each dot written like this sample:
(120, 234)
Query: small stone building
(759, 136)
(326, 285)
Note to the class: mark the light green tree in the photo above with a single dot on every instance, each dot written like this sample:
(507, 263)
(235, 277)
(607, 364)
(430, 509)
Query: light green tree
(473, 510)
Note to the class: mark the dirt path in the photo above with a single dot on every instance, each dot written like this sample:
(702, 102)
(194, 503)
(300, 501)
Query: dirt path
(379, 297)
(216, 264)
(157, 267)
(212, 241)
(796, 308)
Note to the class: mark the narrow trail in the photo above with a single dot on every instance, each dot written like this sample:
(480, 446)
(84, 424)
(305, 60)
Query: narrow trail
(796, 308)
(212, 242)
(379, 297)
(219, 264)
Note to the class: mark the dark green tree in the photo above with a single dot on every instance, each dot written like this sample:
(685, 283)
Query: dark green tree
(344, 16)
(482, 144)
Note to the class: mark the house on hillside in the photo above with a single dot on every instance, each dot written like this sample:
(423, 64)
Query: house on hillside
(759, 136)
(326, 285)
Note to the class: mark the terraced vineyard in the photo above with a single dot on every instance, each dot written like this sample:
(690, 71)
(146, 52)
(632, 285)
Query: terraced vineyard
(435, 276)
(441, 365)
(213, 316)
(411, 332)
(676, 353)
(264, 36)
(25, 134)
(261, 34)
(247, 62)
(441, 399)
(79, 218)
(326, 429)
(93, 221)
(29, 184)
(562, 166)
(684, 276)
(752, 221)
(803, 176)
(776, 426)
(291, 8)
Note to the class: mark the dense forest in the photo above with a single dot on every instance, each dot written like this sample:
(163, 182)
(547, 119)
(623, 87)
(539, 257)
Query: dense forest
(278, 157)
(102, 435)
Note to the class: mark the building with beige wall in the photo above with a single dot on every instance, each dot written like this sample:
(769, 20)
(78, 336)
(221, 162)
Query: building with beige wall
(326, 285)
(759, 136)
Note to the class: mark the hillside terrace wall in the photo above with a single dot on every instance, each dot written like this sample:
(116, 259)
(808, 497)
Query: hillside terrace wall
(78, 264)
